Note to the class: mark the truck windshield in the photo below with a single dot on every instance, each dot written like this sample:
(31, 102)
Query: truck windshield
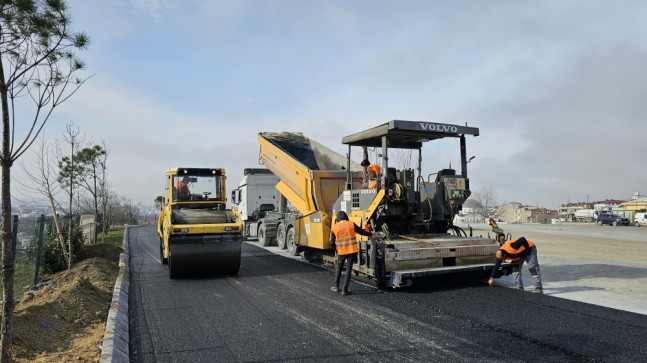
(197, 187)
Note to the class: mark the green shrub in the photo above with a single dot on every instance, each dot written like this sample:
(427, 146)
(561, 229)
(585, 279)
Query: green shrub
(52, 258)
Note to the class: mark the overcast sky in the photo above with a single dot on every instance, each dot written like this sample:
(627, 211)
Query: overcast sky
(558, 89)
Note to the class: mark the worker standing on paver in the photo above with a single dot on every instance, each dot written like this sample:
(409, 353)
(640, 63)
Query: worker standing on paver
(518, 251)
(343, 237)
(371, 172)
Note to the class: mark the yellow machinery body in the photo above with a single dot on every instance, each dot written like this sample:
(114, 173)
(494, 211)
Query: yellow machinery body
(197, 232)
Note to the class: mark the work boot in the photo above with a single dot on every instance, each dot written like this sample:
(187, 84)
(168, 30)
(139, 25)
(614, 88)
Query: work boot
(517, 288)
(539, 290)
(345, 292)
(335, 289)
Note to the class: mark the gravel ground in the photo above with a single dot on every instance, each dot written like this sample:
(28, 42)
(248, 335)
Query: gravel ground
(601, 265)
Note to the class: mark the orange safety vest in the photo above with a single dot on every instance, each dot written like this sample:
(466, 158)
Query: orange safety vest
(513, 254)
(179, 187)
(345, 239)
(372, 184)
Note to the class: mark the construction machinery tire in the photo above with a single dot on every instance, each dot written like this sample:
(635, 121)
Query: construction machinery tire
(281, 240)
(173, 269)
(264, 241)
(163, 260)
(290, 237)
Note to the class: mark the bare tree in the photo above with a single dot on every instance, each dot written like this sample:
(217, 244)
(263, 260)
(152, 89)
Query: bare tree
(103, 193)
(487, 198)
(92, 162)
(43, 182)
(37, 60)
(123, 210)
(402, 158)
(69, 171)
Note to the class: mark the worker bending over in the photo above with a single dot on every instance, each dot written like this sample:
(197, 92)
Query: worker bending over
(343, 237)
(518, 251)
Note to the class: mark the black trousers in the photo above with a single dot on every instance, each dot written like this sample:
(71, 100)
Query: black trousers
(349, 259)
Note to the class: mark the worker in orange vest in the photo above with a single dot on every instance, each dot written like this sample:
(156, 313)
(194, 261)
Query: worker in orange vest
(343, 237)
(518, 251)
(182, 188)
(372, 173)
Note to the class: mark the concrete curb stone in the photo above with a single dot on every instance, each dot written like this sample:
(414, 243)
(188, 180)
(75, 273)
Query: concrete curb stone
(116, 337)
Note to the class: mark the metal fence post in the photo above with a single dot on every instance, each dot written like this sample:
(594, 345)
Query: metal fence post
(41, 227)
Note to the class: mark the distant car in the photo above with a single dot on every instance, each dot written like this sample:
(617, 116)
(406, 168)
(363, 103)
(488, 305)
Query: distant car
(612, 219)
(641, 219)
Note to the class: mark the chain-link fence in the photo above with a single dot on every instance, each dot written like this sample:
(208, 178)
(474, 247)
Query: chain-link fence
(28, 245)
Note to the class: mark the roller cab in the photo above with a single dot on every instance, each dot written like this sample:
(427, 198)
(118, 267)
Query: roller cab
(197, 233)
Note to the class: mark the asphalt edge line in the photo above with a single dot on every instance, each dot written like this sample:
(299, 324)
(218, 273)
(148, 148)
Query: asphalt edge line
(115, 347)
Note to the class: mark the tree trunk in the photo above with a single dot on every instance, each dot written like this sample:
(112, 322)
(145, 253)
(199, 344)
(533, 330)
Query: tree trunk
(71, 227)
(7, 263)
(7, 253)
(59, 235)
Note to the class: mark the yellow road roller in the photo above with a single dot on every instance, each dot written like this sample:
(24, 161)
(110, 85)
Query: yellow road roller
(197, 233)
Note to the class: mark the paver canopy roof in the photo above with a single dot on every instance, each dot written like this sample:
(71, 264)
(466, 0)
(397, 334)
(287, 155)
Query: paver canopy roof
(407, 134)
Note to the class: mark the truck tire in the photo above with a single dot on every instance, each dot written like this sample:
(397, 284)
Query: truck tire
(264, 241)
(281, 241)
(293, 249)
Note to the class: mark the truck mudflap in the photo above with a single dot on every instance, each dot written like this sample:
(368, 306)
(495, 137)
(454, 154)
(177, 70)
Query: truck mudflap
(403, 278)
(205, 254)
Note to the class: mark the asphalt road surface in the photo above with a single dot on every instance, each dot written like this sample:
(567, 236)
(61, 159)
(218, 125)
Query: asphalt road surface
(282, 309)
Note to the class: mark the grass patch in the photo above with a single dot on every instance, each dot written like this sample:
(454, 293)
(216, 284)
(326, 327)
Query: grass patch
(23, 276)
(115, 235)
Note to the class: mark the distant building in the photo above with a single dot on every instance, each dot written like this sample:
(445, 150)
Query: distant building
(638, 203)
(472, 212)
(508, 212)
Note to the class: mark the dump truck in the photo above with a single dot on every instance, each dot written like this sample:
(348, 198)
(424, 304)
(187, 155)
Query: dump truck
(254, 197)
(311, 178)
(197, 233)
(411, 215)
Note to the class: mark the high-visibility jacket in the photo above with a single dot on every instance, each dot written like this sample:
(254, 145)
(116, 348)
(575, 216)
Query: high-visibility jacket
(515, 254)
(345, 239)
(372, 184)
(179, 187)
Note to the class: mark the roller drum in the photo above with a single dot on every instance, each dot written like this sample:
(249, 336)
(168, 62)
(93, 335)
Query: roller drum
(204, 254)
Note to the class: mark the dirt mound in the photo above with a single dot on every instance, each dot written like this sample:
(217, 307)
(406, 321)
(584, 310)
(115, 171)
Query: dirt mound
(65, 319)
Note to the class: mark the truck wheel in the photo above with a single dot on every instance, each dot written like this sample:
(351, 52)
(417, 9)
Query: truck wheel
(281, 241)
(264, 241)
(615, 224)
(291, 242)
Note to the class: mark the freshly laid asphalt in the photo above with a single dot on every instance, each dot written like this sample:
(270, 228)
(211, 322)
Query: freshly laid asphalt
(282, 309)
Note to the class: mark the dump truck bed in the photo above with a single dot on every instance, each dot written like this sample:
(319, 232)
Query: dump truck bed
(311, 175)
